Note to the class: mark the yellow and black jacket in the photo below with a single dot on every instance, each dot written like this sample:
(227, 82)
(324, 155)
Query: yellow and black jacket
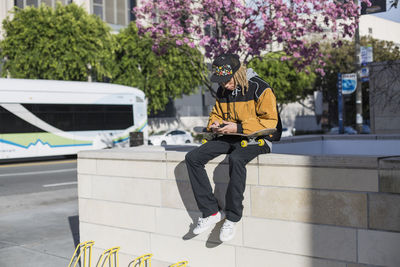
(253, 111)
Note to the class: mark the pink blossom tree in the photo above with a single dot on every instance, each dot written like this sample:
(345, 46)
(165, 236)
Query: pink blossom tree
(250, 27)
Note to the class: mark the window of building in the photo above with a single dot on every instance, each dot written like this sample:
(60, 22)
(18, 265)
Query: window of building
(98, 8)
(37, 3)
(132, 4)
(117, 12)
(370, 30)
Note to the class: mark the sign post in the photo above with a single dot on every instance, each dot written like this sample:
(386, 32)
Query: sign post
(340, 104)
(375, 7)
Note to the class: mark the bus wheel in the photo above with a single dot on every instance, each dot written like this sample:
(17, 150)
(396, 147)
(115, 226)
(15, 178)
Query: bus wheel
(163, 143)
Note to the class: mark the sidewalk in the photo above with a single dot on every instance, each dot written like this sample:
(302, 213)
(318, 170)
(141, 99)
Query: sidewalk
(39, 229)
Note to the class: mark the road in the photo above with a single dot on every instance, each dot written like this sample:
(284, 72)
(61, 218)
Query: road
(38, 213)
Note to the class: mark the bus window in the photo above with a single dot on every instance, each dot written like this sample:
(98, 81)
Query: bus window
(10, 123)
(81, 117)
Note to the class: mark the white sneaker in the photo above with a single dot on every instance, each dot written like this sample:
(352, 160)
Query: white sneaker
(204, 223)
(227, 231)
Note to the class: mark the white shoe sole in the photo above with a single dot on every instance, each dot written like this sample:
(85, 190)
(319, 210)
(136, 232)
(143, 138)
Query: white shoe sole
(229, 238)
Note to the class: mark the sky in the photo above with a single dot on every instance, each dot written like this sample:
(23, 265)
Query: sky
(392, 14)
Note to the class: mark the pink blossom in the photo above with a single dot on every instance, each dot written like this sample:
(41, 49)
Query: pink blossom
(248, 27)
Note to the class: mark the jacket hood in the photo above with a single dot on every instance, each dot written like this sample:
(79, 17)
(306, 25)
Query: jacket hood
(251, 73)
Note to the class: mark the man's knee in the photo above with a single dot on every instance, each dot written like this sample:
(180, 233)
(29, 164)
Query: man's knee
(192, 156)
(189, 156)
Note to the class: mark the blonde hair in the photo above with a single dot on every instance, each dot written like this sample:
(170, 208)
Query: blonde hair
(240, 78)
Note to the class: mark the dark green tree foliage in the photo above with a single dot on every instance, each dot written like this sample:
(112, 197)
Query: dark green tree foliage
(58, 44)
(288, 83)
(342, 60)
(162, 76)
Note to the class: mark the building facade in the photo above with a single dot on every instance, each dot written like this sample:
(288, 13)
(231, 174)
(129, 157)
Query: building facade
(117, 13)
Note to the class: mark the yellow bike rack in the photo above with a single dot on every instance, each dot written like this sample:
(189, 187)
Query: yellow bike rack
(108, 254)
(143, 261)
(85, 248)
(179, 264)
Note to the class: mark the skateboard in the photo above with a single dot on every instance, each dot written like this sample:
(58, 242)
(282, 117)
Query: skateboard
(250, 139)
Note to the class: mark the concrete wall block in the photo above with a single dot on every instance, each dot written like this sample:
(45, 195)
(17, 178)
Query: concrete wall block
(129, 190)
(184, 223)
(246, 257)
(389, 181)
(219, 173)
(389, 163)
(173, 249)
(325, 207)
(84, 186)
(379, 248)
(106, 237)
(177, 194)
(320, 178)
(175, 156)
(177, 171)
(321, 241)
(127, 168)
(87, 166)
(319, 161)
(149, 153)
(140, 218)
(384, 212)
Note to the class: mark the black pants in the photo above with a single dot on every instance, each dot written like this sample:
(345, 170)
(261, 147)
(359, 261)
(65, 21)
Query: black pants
(238, 158)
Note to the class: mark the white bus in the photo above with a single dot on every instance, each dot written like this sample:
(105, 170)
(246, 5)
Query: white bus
(48, 118)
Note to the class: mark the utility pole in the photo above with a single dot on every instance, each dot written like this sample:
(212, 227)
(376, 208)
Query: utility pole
(359, 117)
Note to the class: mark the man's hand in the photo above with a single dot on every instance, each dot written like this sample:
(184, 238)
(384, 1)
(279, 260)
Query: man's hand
(214, 126)
(230, 127)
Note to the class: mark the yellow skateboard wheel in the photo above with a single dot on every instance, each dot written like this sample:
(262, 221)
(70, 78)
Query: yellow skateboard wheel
(243, 143)
(203, 141)
(261, 142)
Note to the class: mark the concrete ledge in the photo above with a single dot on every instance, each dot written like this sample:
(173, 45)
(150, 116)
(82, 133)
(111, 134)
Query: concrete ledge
(367, 162)
(299, 210)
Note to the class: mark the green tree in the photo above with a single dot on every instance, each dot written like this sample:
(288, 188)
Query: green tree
(60, 44)
(342, 60)
(289, 84)
(162, 76)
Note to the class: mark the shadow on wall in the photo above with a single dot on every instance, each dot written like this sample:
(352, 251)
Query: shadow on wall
(186, 194)
(311, 211)
(74, 227)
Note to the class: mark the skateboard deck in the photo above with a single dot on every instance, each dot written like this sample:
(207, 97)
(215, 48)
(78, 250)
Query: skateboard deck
(251, 137)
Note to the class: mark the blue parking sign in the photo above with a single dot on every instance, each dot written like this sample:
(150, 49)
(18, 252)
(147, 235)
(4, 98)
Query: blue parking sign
(349, 83)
